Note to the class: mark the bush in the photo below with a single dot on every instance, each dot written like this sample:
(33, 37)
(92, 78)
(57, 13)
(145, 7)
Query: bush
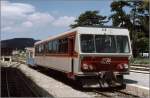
(140, 61)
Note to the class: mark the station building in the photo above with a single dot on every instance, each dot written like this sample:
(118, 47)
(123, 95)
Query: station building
(6, 54)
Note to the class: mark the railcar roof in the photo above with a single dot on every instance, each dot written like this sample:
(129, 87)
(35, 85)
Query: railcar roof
(89, 30)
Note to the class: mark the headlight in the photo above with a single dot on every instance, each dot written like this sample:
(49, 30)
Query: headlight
(91, 67)
(126, 66)
(85, 66)
(120, 66)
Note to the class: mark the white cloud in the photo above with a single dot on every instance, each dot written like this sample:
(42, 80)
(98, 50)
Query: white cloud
(17, 9)
(64, 21)
(14, 14)
(23, 18)
(40, 18)
(27, 24)
(6, 29)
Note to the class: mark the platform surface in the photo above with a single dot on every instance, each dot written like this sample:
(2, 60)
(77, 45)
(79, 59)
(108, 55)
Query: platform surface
(138, 78)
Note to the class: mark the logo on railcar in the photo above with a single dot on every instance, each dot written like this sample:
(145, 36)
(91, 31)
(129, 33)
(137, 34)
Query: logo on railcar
(105, 61)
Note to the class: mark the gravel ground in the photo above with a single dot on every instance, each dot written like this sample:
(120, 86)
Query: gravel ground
(50, 85)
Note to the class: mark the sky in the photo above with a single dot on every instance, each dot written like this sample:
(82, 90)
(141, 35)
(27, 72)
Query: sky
(40, 19)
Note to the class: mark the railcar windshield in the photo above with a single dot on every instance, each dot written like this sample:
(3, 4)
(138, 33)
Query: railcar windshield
(104, 43)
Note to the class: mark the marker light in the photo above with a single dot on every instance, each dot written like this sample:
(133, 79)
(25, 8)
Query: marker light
(85, 66)
(91, 67)
(122, 66)
(125, 66)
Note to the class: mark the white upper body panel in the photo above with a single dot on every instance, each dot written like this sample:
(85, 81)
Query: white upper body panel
(91, 30)
(107, 31)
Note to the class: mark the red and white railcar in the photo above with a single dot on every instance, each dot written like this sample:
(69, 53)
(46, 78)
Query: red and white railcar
(86, 52)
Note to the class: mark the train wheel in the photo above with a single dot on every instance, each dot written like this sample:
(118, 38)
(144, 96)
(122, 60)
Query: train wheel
(78, 83)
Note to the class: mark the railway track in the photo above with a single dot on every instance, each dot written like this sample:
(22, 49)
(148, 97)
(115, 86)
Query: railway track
(140, 67)
(14, 84)
(113, 93)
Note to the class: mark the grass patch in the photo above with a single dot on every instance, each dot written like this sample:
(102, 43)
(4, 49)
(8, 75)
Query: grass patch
(140, 61)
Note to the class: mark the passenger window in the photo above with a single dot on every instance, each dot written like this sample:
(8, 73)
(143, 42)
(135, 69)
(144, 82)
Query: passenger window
(36, 49)
(41, 48)
(50, 47)
(63, 45)
(55, 46)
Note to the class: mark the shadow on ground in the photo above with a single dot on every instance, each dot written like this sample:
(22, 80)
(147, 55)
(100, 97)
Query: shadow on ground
(129, 81)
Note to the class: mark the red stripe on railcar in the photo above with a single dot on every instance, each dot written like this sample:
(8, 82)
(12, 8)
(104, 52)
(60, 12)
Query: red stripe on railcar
(98, 64)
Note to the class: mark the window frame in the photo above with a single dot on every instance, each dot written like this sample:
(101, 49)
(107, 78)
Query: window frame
(115, 38)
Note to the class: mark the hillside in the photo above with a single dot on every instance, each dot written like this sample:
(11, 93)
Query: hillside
(18, 43)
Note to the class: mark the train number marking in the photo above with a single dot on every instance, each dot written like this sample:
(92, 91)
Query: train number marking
(105, 61)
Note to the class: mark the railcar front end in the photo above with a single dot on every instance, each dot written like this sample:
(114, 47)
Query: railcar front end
(104, 59)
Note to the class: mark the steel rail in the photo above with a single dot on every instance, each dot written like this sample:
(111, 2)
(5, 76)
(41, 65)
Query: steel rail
(8, 92)
(102, 93)
(125, 93)
(115, 91)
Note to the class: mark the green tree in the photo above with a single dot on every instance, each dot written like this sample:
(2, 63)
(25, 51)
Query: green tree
(119, 16)
(136, 20)
(89, 18)
(140, 27)
(141, 43)
(143, 16)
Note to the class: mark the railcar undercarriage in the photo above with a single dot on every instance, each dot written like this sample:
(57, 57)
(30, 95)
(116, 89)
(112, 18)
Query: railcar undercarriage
(102, 80)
